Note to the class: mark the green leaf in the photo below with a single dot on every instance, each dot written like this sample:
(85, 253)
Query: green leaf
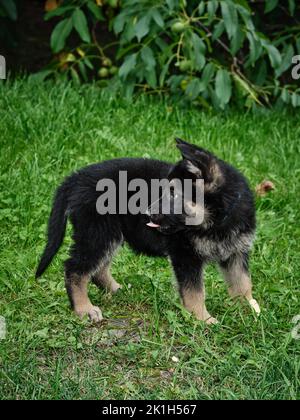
(83, 71)
(164, 72)
(270, 5)
(208, 73)
(199, 51)
(237, 41)
(223, 87)
(218, 31)
(295, 100)
(212, 7)
(285, 96)
(246, 88)
(128, 65)
(274, 55)
(255, 48)
(171, 4)
(10, 7)
(40, 76)
(81, 25)
(288, 55)
(142, 27)
(194, 88)
(151, 78)
(148, 58)
(129, 30)
(161, 44)
(96, 10)
(292, 7)
(119, 23)
(75, 76)
(128, 90)
(230, 17)
(88, 63)
(60, 33)
(61, 10)
(260, 72)
(201, 8)
(156, 16)
(174, 82)
(246, 15)
(244, 4)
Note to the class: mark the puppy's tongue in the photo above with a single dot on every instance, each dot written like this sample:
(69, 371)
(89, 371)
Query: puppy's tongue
(153, 225)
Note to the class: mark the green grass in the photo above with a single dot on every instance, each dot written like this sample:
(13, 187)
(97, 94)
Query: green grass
(50, 130)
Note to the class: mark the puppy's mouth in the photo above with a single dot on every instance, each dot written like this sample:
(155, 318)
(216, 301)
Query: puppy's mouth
(162, 228)
(153, 225)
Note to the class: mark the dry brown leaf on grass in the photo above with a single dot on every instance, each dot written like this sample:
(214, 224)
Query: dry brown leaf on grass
(264, 187)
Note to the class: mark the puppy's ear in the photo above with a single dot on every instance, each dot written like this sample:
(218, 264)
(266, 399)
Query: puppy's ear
(192, 152)
(200, 163)
(181, 142)
(193, 169)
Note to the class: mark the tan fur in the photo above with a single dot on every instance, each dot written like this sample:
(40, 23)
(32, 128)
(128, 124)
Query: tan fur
(218, 179)
(215, 172)
(240, 284)
(194, 302)
(221, 250)
(78, 290)
(104, 279)
(238, 280)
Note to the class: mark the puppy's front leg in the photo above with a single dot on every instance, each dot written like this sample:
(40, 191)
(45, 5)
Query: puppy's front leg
(189, 274)
(237, 276)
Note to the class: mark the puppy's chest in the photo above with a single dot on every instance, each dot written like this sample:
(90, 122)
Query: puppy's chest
(221, 250)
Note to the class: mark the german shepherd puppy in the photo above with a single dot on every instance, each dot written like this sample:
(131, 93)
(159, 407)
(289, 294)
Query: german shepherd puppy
(225, 236)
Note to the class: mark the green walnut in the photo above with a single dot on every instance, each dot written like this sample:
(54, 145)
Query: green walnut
(103, 72)
(178, 27)
(185, 65)
(106, 62)
(113, 70)
(183, 84)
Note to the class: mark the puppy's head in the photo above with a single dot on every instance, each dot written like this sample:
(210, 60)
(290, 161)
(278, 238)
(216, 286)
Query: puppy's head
(182, 204)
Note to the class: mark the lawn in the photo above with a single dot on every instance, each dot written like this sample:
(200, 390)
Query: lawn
(48, 131)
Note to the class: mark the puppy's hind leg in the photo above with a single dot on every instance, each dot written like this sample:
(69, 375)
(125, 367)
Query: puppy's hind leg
(77, 288)
(88, 249)
(103, 278)
(237, 276)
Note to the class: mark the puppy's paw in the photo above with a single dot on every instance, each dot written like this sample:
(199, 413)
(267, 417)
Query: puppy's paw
(93, 312)
(255, 306)
(115, 287)
(211, 321)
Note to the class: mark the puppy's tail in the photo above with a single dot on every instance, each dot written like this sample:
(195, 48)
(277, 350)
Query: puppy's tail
(56, 229)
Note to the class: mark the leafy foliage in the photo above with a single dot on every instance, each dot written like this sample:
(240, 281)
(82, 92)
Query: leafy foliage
(8, 9)
(210, 53)
(8, 14)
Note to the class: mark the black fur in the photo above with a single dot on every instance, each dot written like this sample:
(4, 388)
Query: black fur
(224, 237)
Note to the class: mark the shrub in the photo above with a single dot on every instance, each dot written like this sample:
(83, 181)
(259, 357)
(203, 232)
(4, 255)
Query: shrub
(210, 53)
